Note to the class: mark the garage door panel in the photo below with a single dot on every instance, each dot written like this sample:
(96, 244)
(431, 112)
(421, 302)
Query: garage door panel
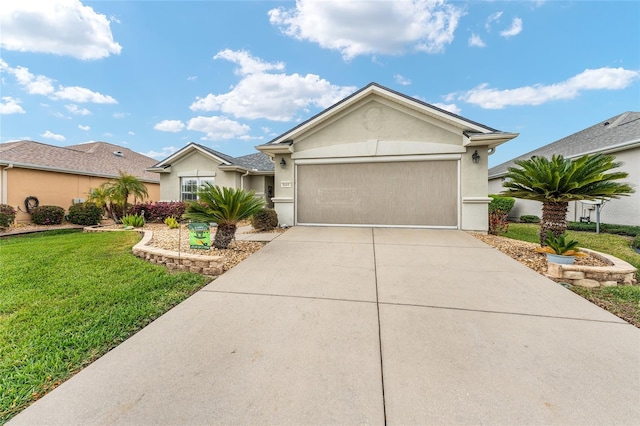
(410, 193)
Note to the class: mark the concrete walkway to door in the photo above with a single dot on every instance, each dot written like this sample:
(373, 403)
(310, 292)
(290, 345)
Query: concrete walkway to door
(366, 326)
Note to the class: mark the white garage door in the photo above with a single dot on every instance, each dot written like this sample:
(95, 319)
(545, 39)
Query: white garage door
(415, 193)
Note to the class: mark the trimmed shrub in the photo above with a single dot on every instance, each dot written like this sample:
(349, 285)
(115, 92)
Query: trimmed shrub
(7, 215)
(264, 220)
(627, 230)
(86, 214)
(172, 222)
(133, 220)
(47, 215)
(499, 209)
(158, 212)
(529, 218)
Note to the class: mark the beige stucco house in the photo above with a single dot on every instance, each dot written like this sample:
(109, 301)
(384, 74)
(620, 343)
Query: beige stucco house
(182, 173)
(381, 158)
(61, 176)
(619, 136)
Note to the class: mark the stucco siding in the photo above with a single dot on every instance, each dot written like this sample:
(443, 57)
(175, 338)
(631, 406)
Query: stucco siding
(51, 188)
(375, 120)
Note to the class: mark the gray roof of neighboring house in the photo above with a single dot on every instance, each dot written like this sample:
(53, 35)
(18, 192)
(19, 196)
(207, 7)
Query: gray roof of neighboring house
(257, 161)
(93, 158)
(607, 135)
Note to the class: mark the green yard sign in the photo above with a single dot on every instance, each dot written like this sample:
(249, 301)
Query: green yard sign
(199, 236)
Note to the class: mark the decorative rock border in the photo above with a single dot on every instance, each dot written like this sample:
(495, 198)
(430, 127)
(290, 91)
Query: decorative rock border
(620, 273)
(209, 266)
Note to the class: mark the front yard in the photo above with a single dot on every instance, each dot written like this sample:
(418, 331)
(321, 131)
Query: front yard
(623, 301)
(66, 298)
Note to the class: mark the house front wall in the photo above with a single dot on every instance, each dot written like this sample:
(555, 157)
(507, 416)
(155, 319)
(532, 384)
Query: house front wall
(50, 188)
(622, 211)
(378, 131)
(194, 164)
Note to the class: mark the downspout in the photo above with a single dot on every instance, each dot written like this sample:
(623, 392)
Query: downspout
(242, 179)
(4, 183)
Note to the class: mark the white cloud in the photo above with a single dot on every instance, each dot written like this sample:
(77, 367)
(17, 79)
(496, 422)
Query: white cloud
(476, 41)
(74, 109)
(42, 85)
(131, 133)
(169, 126)
(192, 78)
(515, 29)
(494, 17)
(163, 153)
(370, 27)
(107, 134)
(51, 135)
(268, 95)
(10, 105)
(217, 128)
(453, 108)
(401, 80)
(62, 27)
(120, 115)
(81, 94)
(590, 79)
(85, 128)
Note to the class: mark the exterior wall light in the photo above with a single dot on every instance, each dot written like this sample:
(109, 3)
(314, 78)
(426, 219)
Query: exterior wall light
(283, 163)
(476, 157)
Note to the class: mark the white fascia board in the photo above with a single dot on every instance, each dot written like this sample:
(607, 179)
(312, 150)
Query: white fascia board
(184, 151)
(491, 140)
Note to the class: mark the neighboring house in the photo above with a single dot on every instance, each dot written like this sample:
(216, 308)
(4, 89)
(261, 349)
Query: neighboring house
(61, 176)
(182, 173)
(619, 136)
(381, 158)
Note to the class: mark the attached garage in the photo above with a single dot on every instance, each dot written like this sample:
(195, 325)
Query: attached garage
(407, 193)
(381, 158)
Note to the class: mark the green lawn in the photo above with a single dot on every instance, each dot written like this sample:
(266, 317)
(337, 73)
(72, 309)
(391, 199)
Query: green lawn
(623, 301)
(66, 298)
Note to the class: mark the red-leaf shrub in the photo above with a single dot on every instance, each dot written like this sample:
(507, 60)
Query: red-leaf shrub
(7, 215)
(158, 212)
(47, 215)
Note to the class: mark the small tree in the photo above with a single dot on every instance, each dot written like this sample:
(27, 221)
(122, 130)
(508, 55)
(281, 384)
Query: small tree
(118, 191)
(557, 181)
(225, 207)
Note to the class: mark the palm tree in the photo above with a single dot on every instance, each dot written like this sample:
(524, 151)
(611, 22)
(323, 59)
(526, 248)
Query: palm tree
(557, 181)
(118, 190)
(224, 206)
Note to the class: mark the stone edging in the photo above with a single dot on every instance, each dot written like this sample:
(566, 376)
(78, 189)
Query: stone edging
(209, 266)
(620, 273)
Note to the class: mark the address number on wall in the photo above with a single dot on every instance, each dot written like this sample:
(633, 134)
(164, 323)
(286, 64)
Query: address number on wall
(285, 184)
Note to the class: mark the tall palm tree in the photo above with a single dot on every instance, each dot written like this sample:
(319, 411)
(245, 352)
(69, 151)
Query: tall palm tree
(119, 190)
(224, 206)
(557, 181)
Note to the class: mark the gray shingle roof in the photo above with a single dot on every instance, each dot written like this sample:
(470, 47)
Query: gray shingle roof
(94, 158)
(615, 131)
(258, 161)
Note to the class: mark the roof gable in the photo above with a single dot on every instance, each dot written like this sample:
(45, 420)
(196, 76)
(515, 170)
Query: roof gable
(618, 132)
(257, 161)
(373, 89)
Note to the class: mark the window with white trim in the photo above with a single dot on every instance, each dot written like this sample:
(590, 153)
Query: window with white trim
(189, 187)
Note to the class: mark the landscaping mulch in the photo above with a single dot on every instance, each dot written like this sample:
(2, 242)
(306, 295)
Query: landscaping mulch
(524, 252)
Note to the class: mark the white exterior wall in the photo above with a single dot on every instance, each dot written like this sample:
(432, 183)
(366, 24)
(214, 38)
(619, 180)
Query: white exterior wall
(623, 211)
(194, 164)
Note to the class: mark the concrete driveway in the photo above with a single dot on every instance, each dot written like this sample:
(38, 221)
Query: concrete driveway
(366, 326)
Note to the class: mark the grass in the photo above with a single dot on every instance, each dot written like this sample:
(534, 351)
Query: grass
(623, 301)
(66, 298)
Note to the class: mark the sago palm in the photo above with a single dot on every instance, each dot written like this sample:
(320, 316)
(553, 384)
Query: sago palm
(225, 207)
(560, 180)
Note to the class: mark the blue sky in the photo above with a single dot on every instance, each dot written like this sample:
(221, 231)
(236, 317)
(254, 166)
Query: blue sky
(153, 76)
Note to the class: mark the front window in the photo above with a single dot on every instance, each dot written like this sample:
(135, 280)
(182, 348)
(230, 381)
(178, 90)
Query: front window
(189, 187)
